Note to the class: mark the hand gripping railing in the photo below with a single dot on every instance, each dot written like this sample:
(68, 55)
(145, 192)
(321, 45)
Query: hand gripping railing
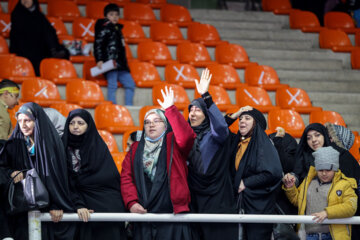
(35, 219)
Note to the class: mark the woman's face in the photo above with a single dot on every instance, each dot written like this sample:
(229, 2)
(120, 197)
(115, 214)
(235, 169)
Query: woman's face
(78, 126)
(246, 123)
(315, 140)
(26, 124)
(196, 116)
(154, 126)
(27, 3)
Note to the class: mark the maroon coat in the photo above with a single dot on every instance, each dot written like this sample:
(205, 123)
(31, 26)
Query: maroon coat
(184, 138)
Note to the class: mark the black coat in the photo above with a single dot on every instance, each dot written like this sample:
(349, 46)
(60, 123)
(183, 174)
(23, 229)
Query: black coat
(109, 43)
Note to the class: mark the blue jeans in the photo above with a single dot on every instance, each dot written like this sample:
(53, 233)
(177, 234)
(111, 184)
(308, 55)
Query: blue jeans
(316, 236)
(125, 78)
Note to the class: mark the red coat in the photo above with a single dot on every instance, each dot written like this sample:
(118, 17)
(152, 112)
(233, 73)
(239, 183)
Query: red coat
(184, 138)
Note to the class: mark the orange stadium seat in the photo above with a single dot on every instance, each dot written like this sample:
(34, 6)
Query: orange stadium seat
(277, 6)
(67, 11)
(355, 149)
(113, 118)
(43, 92)
(181, 98)
(84, 28)
(175, 14)
(336, 40)
(12, 113)
(232, 54)
(288, 119)
(203, 33)
(84, 93)
(255, 97)
(234, 128)
(4, 49)
(118, 159)
(133, 32)
(60, 71)
(144, 74)
(65, 108)
(100, 79)
(220, 97)
(296, 99)
(355, 58)
(120, 3)
(110, 141)
(58, 25)
(195, 54)
(167, 33)
(16, 68)
(5, 24)
(181, 74)
(95, 9)
(305, 20)
(326, 116)
(142, 113)
(126, 136)
(156, 53)
(357, 39)
(340, 20)
(153, 3)
(129, 55)
(263, 76)
(138, 12)
(225, 76)
(11, 5)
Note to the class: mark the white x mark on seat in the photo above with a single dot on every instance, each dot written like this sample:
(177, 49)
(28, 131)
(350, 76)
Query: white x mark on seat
(6, 26)
(261, 77)
(251, 96)
(42, 91)
(87, 29)
(293, 97)
(179, 73)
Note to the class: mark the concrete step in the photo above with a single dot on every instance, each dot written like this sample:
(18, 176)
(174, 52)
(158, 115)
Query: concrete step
(251, 25)
(334, 98)
(339, 76)
(347, 108)
(273, 44)
(323, 85)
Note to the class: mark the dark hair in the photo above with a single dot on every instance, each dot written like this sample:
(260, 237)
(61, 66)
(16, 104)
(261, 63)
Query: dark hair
(133, 136)
(111, 7)
(8, 83)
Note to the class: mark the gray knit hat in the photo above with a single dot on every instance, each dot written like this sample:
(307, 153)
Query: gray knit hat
(340, 135)
(326, 158)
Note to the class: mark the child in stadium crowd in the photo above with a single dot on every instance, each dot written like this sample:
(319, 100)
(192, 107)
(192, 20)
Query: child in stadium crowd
(325, 193)
(110, 45)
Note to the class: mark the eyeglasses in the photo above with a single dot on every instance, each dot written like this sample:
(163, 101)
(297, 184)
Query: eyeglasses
(156, 122)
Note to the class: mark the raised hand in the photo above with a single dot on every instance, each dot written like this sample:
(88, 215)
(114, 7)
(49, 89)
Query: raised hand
(240, 111)
(168, 97)
(203, 86)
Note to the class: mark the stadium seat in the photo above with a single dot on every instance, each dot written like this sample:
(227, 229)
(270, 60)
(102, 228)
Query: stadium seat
(176, 14)
(113, 118)
(232, 54)
(341, 21)
(5, 24)
(138, 12)
(355, 58)
(142, 113)
(110, 141)
(133, 32)
(120, 3)
(60, 71)
(195, 54)
(336, 40)
(84, 93)
(100, 79)
(156, 53)
(181, 98)
(296, 99)
(65, 108)
(357, 39)
(326, 116)
(42, 92)
(277, 6)
(95, 9)
(167, 33)
(355, 149)
(84, 28)
(118, 159)
(58, 25)
(263, 76)
(203, 33)
(224, 76)
(181, 74)
(153, 3)
(4, 49)
(17, 69)
(129, 55)
(255, 97)
(67, 11)
(234, 128)
(305, 20)
(220, 98)
(288, 119)
(11, 5)
(12, 113)
(144, 74)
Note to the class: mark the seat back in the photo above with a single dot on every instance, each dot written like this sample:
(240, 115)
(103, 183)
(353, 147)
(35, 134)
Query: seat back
(192, 52)
(39, 91)
(202, 33)
(139, 12)
(13, 66)
(84, 28)
(288, 119)
(175, 14)
(257, 75)
(357, 39)
(4, 49)
(111, 116)
(144, 73)
(118, 159)
(326, 116)
(132, 30)
(338, 20)
(299, 19)
(162, 31)
(180, 95)
(218, 94)
(271, 5)
(65, 108)
(54, 68)
(224, 76)
(292, 97)
(65, 10)
(355, 149)
(329, 38)
(95, 9)
(252, 96)
(58, 25)
(153, 3)
(5, 25)
(110, 141)
(149, 51)
(181, 74)
(79, 91)
(11, 5)
(230, 53)
(86, 71)
(355, 58)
